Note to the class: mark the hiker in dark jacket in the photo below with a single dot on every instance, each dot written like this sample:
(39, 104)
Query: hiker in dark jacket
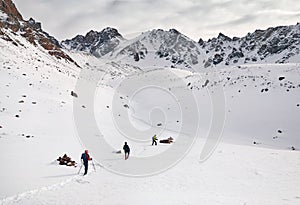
(126, 150)
(85, 157)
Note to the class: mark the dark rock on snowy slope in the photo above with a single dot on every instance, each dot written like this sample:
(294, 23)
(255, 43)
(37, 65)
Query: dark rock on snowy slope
(96, 43)
(11, 19)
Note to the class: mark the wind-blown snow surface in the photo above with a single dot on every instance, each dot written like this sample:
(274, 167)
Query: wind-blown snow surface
(261, 107)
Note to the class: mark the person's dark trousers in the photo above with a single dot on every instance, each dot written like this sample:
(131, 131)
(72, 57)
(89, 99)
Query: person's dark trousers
(126, 155)
(154, 142)
(86, 165)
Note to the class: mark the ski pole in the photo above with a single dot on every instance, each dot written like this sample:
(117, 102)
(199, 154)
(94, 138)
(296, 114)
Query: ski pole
(80, 168)
(94, 165)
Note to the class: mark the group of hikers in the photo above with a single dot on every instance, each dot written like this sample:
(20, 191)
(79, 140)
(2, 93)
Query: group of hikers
(85, 157)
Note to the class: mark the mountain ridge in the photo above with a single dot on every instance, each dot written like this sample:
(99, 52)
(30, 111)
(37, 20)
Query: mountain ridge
(31, 30)
(94, 42)
(166, 48)
(276, 44)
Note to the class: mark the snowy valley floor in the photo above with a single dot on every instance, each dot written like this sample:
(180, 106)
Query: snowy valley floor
(37, 126)
(234, 174)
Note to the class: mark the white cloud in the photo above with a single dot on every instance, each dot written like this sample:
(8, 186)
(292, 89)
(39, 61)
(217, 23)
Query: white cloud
(194, 18)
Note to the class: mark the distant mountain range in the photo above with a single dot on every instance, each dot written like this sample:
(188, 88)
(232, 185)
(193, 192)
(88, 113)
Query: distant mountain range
(274, 45)
(170, 48)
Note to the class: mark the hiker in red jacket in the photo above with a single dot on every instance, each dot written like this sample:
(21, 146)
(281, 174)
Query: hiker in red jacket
(85, 157)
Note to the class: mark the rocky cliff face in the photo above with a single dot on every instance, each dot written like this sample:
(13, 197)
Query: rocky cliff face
(11, 19)
(96, 43)
(276, 45)
(171, 46)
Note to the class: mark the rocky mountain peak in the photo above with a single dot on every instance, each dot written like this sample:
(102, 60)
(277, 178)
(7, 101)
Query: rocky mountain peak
(91, 37)
(8, 7)
(34, 24)
(91, 33)
(160, 32)
(174, 31)
(223, 37)
(31, 30)
(170, 46)
(201, 42)
(279, 44)
(111, 32)
(94, 42)
(13, 17)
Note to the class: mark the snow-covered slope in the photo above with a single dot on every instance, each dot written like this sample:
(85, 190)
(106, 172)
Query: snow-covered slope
(258, 105)
(130, 93)
(35, 93)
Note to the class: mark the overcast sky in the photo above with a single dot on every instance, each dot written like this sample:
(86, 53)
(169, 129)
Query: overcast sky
(195, 18)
